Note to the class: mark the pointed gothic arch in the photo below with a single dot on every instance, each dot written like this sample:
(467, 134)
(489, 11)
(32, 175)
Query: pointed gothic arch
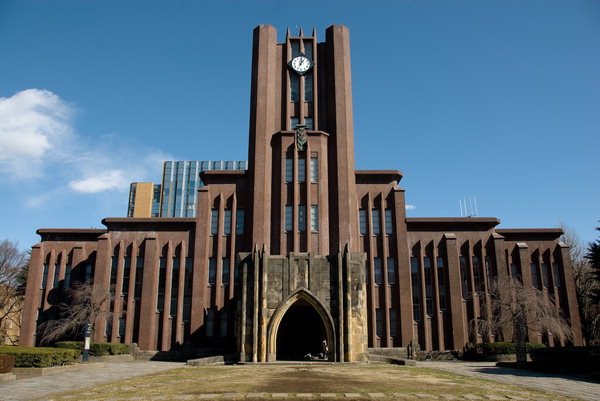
(304, 297)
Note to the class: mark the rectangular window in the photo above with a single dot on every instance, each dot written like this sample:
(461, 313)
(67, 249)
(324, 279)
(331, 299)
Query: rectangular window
(89, 272)
(56, 273)
(67, 279)
(289, 218)
(212, 271)
(161, 283)
(214, 221)
(535, 280)
(416, 288)
(314, 218)
(308, 89)
(301, 218)
(391, 270)
(239, 221)
(388, 222)
(227, 222)
(301, 169)
(379, 323)
(126, 274)
(113, 273)
(210, 322)
(376, 222)
(289, 169)
(477, 274)
(314, 169)
(308, 121)
(464, 277)
(428, 284)
(187, 290)
(377, 271)
(293, 123)
(237, 274)
(139, 277)
(488, 270)
(294, 89)
(362, 217)
(45, 276)
(545, 275)
(225, 272)
(121, 327)
(441, 282)
(556, 274)
(174, 285)
(514, 271)
(393, 324)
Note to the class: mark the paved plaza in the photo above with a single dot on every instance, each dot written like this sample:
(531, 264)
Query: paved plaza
(33, 388)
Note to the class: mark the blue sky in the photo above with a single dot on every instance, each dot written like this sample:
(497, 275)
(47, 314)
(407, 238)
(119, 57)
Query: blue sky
(499, 100)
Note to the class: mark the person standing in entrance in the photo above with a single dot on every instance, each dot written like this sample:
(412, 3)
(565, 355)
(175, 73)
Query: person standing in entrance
(325, 349)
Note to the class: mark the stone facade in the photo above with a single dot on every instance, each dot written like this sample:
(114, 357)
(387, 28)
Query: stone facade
(301, 252)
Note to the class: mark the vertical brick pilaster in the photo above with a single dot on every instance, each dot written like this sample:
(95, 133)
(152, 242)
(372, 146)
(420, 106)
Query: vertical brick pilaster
(33, 296)
(459, 336)
(572, 307)
(101, 284)
(148, 336)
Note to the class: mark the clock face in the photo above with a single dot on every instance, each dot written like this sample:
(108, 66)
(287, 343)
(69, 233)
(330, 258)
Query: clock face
(301, 64)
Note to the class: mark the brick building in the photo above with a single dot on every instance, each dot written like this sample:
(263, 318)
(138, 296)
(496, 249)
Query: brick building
(301, 247)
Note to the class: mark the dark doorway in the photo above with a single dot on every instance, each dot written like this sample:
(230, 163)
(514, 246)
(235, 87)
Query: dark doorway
(301, 332)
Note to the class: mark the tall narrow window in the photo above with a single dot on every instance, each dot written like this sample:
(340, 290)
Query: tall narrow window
(545, 278)
(393, 328)
(56, 274)
(212, 270)
(227, 222)
(45, 275)
(379, 323)
(488, 270)
(174, 285)
(301, 169)
(187, 290)
(388, 222)
(535, 280)
(477, 274)
(67, 279)
(362, 217)
(556, 274)
(139, 277)
(289, 218)
(308, 121)
(301, 218)
(113, 273)
(314, 169)
(391, 270)
(416, 288)
(225, 272)
(464, 277)
(376, 222)
(308, 77)
(428, 285)
(377, 271)
(293, 123)
(294, 87)
(161, 283)
(210, 323)
(314, 218)
(239, 221)
(441, 282)
(289, 169)
(214, 221)
(514, 271)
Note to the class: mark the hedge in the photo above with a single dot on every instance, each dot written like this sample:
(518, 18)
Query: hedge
(7, 362)
(568, 356)
(506, 348)
(96, 349)
(40, 357)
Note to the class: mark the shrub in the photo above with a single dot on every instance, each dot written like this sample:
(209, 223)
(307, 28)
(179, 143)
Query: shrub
(40, 357)
(506, 348)
(568, 356)
(7, 362)
(96, 349)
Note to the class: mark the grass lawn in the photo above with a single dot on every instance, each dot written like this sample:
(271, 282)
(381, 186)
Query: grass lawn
(322, 381)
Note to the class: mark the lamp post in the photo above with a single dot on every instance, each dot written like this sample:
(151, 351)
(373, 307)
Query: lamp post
(86, 343)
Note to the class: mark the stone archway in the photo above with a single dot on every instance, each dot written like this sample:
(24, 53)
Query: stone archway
(298, 326)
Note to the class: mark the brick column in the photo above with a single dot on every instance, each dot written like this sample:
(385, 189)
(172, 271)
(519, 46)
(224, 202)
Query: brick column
(148, 336)
(459, 336)
(101, 284)
(403, 270)
(33, 296)
(571, 297)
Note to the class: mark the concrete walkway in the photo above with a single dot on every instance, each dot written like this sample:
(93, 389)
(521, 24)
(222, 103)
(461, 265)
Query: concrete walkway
(42, 386)
(582, 389)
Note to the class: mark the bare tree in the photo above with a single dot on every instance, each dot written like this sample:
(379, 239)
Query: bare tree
(12, 261)
(82, 304)
(517, 309)
(587, 284)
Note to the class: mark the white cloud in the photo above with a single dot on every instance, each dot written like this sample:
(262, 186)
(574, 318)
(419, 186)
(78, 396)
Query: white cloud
(102, 181)
(410, 207)
(34, 126)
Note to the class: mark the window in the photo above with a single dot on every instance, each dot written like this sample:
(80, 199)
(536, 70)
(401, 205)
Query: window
(214, 221)
(416, 288)
(545, 275)
(514, 271)
(293, 123)
(377, 271)
(56, 274)
(212, 271)
(314, 169)
(239, 222)
(301, 218)
(210, 322)
(379, 323)
(388, 222)
(488, 270)
(314, 218)
(187, 290)
(174, 285)
(477, 273)
(428, 285)
(308, 89)
(362, 217)
(393, 323)
(227, 222)
(126, 273)
(441, 282)
(45, 275)
(139, 277)
(67, 279)
(289, 169)
(301, 169)
(556, 274)
(161, 283)
(223, 323)
(376, 222)
(225, 272)
(464, 277)
(391, 270)
(289, 218)
(294, 88)
(535, 279)
(308, 121)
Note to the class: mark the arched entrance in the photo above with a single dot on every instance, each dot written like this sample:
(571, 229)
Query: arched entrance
(298, 327)
(301, 332)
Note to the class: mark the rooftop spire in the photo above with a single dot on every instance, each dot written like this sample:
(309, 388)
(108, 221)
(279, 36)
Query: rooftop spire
(301, 33)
